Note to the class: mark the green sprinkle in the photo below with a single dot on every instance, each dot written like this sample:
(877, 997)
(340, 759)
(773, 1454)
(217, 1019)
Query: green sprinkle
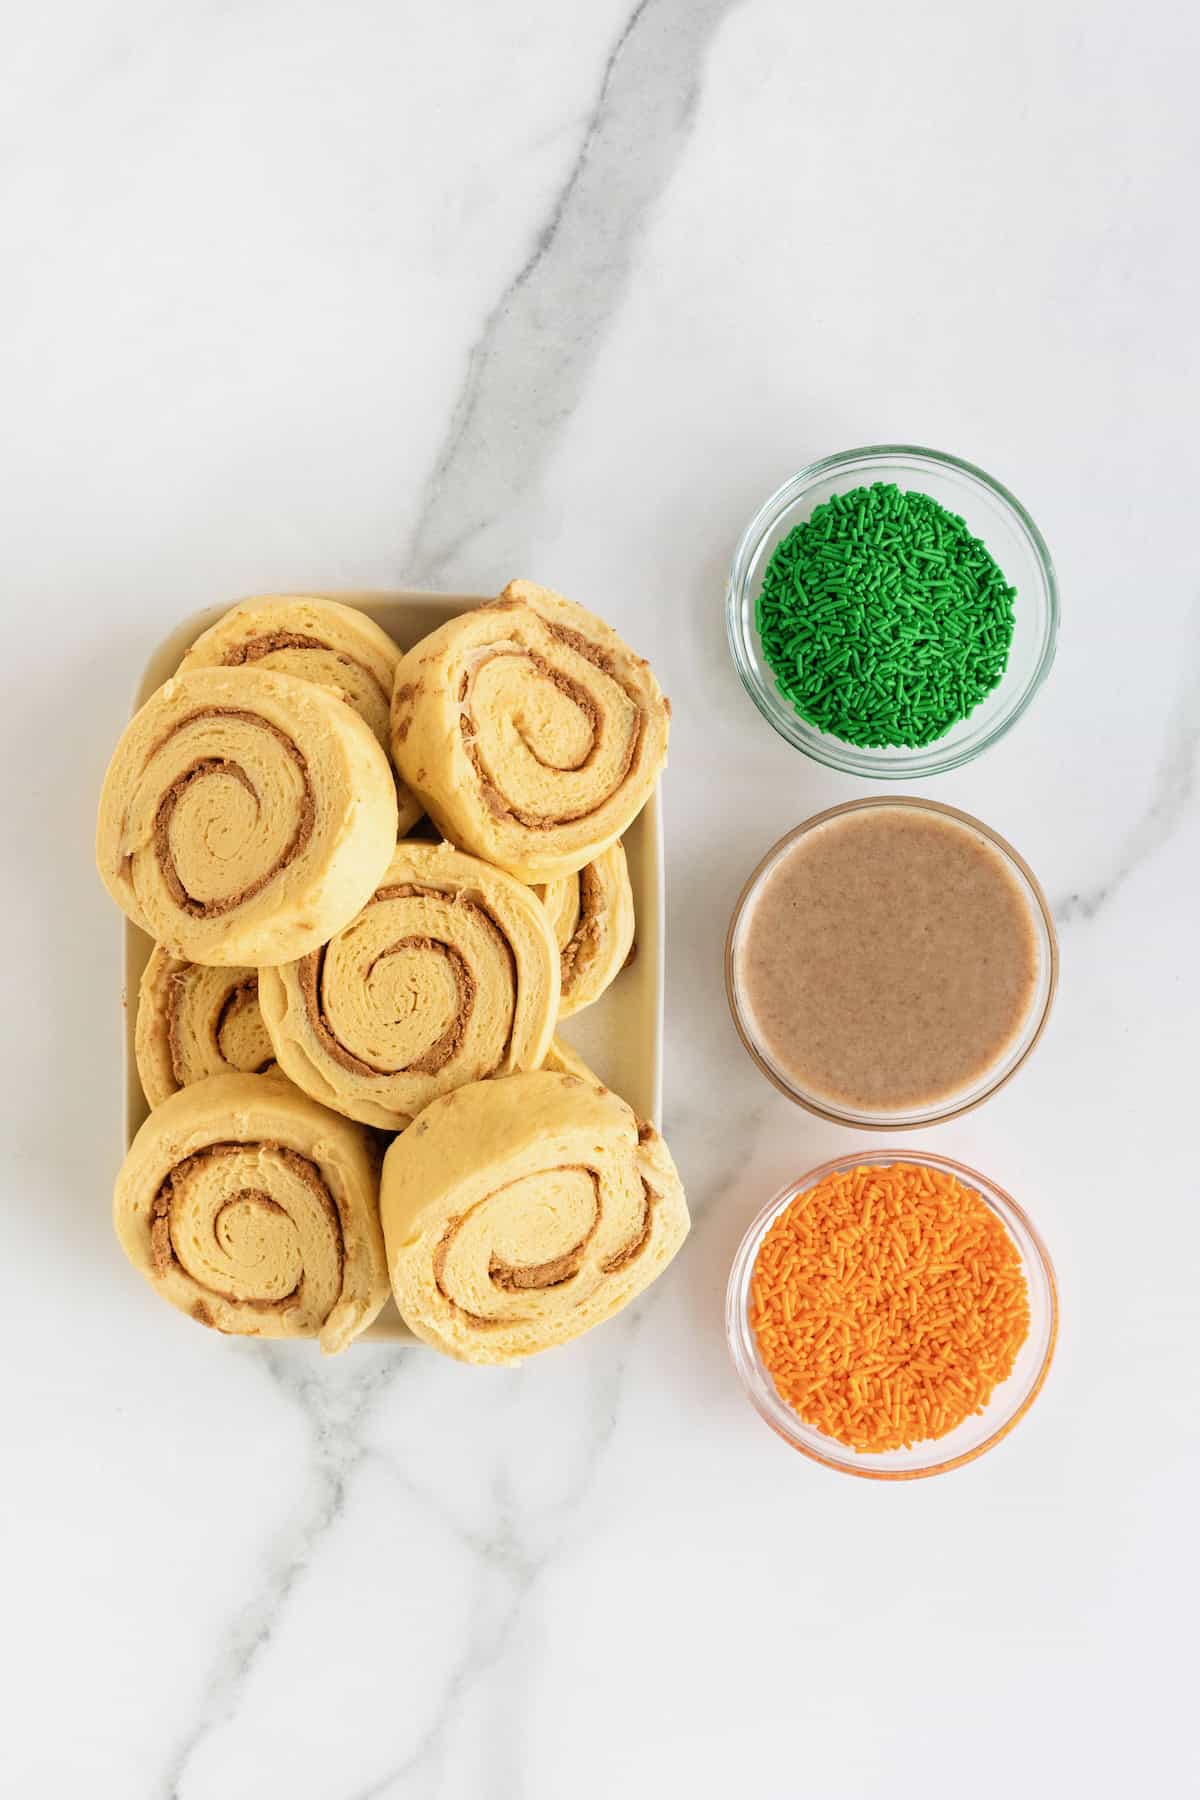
(883, 620)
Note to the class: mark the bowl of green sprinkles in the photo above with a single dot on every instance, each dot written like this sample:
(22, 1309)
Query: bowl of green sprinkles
(892, 611)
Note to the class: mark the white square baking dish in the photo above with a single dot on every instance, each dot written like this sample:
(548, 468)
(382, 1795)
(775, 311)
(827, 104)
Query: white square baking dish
(620, 1036)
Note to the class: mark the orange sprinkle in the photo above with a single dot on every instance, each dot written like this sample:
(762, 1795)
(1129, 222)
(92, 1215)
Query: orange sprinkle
(887, 1304)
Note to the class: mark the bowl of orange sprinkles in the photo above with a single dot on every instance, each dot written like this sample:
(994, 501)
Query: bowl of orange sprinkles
(892, 1316)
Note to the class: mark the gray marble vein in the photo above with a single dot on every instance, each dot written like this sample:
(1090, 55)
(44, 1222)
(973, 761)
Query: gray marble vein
(337, 1405)
(527, 367)
(509, 1561)
(1170, 798)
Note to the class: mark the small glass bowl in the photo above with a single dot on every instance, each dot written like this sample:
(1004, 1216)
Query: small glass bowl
(1010, 1401)
(992, 514)
(962, 1099)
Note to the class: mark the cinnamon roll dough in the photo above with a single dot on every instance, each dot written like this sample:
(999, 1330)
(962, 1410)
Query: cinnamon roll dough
(449, 974)
(255, 1211)
(316, 640)
(520, 1213)
(194, 1021)
(592, 916)
(563, 1059)
(530, 732)
(246, 816)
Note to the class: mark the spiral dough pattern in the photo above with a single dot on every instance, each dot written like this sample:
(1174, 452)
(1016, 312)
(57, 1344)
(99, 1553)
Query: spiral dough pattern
(255, 1211)
(245, 817)
(520, 1213)
(531, 733)
(450, 974)
(194, 1021)
(592, 916)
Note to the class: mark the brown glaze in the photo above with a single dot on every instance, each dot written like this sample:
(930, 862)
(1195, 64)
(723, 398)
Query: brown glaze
(888, 960)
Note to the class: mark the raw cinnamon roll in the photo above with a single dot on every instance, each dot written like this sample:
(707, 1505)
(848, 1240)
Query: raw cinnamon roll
(449, 974)
(245, 817)
(520, 1213)
(531, 733)
(592, 916)
(253, 1210)
(194, 1021)
(316, 640)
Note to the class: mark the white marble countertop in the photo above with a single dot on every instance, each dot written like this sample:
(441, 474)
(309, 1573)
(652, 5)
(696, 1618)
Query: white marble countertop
(373, 295)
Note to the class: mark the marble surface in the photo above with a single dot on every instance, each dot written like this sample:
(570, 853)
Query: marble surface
(371, 295)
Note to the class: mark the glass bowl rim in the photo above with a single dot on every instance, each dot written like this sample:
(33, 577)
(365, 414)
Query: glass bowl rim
(737, 1325)
(858, 1121)
(854, 759)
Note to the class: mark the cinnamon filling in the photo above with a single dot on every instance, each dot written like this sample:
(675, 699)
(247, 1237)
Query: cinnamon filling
(162, 1244)
(517, 1278)
(584, 938)
(634, 1249)
(177, 993)
(311, 971)
(205, 766)
(495, 801)
(254, 648)
(582, 646)
(441, 1251)
(241, 994)
(439, 1052)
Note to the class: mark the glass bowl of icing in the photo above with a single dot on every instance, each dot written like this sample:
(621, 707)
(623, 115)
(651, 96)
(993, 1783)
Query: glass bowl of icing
(891, 963)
